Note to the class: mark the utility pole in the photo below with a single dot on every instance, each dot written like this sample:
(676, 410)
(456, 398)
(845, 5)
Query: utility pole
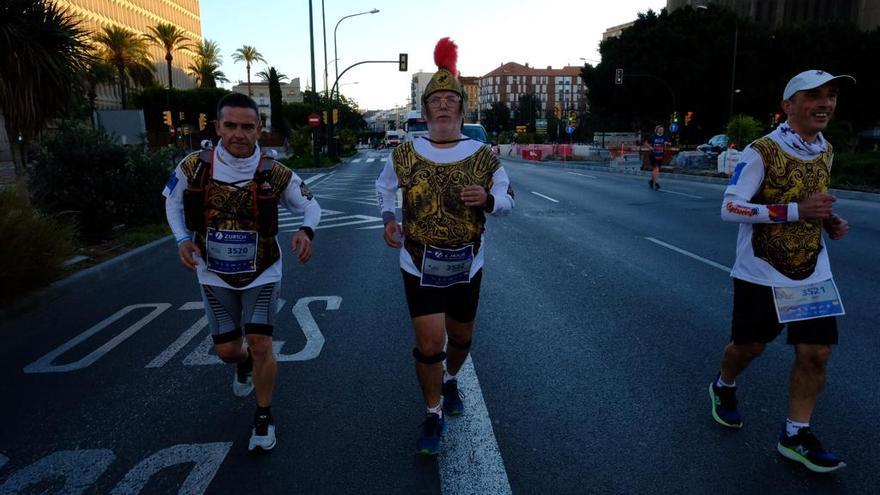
(314, 88)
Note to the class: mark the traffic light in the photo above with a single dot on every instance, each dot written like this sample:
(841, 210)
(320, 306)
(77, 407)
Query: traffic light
(203, 121)
(674, 118)
(558, 111)
(618, 76)
(20, 137)
(166, 118)
(403, 62)
(324, 119)
(688, 117)
(335, 115)
(182, 117)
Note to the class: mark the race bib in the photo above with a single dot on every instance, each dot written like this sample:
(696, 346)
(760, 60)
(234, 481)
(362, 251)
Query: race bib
(807, 301)
(231, 251)
(444, 267)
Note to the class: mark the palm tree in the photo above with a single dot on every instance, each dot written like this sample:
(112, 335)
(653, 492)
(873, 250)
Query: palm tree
(127, 53)
(43, 56)
(248, 54)
(206, 68)
(98, 72)
(267, 76)
(169, 38)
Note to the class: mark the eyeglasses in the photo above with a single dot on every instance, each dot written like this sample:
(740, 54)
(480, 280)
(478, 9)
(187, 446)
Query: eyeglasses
(434, 101)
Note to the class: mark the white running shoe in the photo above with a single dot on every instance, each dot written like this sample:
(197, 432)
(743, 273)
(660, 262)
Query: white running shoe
(242, 389)
(266, 441)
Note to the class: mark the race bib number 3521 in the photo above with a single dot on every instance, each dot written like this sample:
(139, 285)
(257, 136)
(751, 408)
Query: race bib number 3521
(806, 302)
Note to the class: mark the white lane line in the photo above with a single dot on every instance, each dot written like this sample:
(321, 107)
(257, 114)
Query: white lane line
(681, 194)
(470, 461)
(689, 254)
(370, 160)
(356, 160)
(286, 215)
(357, 219)
(583, 175)
(313, 178)
(371, 227)
(545, 197)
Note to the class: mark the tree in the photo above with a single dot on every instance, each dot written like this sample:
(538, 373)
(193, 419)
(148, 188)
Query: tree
(127, 53)
(274, 79)
(527, 110)
(206, 68)
(99, 72)
(169, 38)
(248, 55)
(497, 118)
(43, 59)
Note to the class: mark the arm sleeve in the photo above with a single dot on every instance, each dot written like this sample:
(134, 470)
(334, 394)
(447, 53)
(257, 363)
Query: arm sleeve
(386, 189)
(173, 193)
(501, 192)
(744, 183)
(297, 198)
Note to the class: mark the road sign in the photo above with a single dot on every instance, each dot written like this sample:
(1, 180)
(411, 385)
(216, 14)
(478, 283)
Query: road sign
(521, 129)
(569, 129)
(314, 120)
(540, 126)
(673, 127)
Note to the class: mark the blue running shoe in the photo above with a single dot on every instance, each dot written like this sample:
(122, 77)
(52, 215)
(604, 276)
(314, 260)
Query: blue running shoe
(806, 449)
(429, 438)
(452, 404)
(724, 406)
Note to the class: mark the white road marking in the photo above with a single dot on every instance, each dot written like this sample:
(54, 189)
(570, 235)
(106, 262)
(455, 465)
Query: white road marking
(77, 468)
(371, 227)
(470, 461)
(356, 160)
(689, 254)
(44, 364)
(207, 458)
(545, 197)
(315, 177)
(583, 175)
(681, 194)
(369, 160)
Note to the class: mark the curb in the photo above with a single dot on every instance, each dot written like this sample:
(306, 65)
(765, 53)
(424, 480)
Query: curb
(600, 167)
(47, 295)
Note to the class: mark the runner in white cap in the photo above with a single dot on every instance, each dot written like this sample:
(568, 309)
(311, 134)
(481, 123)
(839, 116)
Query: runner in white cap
(779, 194)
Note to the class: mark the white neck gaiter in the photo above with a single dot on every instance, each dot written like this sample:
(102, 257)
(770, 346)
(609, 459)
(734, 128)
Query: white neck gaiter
(794, 141)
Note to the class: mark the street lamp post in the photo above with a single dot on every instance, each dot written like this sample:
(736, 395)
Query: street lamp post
(336, 69)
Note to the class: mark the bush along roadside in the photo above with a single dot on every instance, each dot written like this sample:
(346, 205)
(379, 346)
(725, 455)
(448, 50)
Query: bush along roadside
(34, 249)
(102, 185)
(859, 171)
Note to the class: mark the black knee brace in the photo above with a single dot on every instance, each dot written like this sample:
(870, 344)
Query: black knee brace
(230, 336)
(258, 329)
(459, 345)
(436, 358)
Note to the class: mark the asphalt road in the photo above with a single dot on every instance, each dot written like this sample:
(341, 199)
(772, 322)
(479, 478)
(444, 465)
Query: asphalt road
(604, 309)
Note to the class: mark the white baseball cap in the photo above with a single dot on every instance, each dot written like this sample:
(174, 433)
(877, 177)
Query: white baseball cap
(810, 79)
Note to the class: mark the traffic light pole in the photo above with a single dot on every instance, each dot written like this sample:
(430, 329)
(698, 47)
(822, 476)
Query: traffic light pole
(335, 90)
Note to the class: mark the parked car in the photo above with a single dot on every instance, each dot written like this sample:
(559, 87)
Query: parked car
(476, 132)
(716, 145)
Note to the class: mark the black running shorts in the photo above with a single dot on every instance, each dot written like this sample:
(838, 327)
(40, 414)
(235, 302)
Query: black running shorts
(458, 301)
(755, 320)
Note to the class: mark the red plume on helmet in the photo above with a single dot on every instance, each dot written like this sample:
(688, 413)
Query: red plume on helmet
(446, 55)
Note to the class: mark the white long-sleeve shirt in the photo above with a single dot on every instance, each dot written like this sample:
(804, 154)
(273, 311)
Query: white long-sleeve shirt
(737, 207)
(388, 183)
(291, 199)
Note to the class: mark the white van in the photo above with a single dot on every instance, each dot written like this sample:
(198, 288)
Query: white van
(415, 125)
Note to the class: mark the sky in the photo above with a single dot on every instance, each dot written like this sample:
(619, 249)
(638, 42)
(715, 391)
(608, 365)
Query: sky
(488, 33)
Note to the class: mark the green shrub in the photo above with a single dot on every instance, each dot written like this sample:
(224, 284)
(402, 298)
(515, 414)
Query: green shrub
(861, 170)
(34, 246)
(81, 171)
(743, 129)
(308, 161)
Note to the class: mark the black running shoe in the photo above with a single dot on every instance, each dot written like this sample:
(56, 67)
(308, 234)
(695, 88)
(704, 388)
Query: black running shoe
(724, 406)
(452, 403)
(806, 449)
(429, 438)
